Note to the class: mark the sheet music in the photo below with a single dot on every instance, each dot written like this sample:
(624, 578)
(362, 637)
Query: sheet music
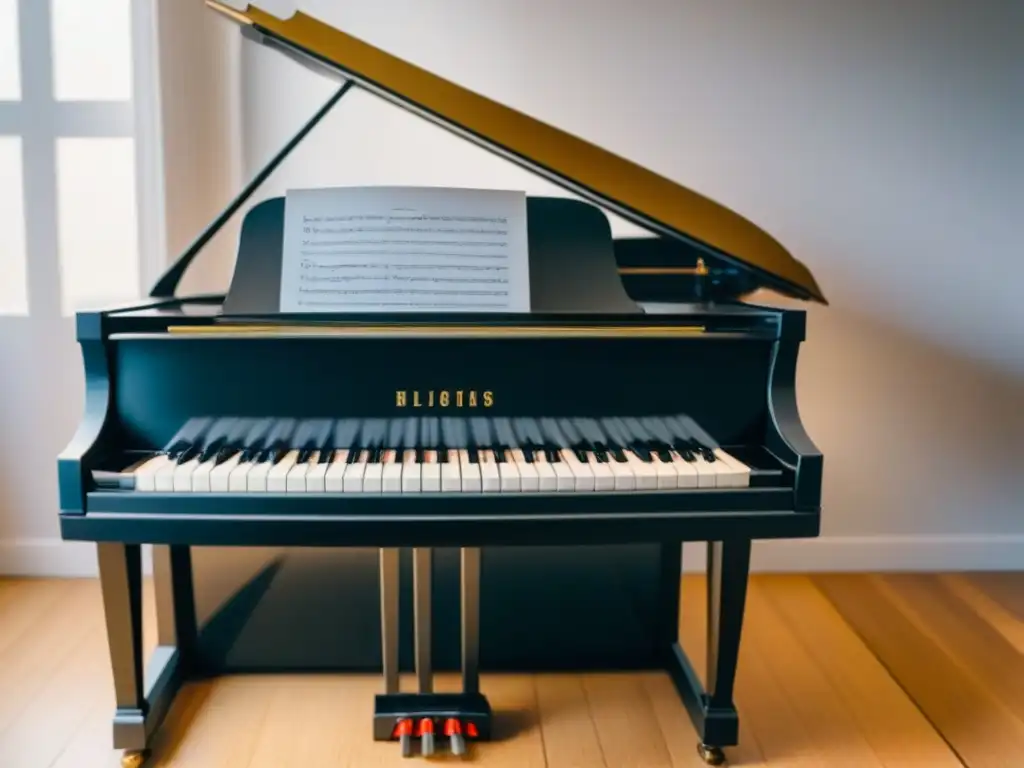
(404, 249)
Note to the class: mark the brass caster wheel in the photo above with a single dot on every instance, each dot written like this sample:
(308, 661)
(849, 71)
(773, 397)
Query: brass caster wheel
(711, 755)
(134, 759)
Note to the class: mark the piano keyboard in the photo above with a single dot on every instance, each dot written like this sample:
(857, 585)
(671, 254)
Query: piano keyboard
(438, 455)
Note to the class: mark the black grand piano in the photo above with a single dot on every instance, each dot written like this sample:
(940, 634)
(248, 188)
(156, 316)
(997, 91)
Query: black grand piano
(474, 491)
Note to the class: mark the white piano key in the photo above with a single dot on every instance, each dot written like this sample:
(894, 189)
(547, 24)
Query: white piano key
(220, 474)
(353, 479)
(256, 479)
(644, 474)
(508, 475)
(295, 480)
(547, 480)
(706, 474)
(668, 475)
(529, 479)
(145, 475)
(391, 476)
(412, 477)
(604, 478)
(583, 475)
(565, 480)
(622, 472)
(373, 476)
(238, 480)
(739, 474)
(201, 476)
(686, 474)
(470, 473)
(334, 476)
(490, 476)
(451, 476)
(277, 477)
(163, 478)
(430, 473)
(316, 475)
(181, 482)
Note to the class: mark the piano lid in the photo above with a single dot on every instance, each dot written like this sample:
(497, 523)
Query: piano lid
(604, 179)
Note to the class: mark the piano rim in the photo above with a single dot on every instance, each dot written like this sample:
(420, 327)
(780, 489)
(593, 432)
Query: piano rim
(451, 530)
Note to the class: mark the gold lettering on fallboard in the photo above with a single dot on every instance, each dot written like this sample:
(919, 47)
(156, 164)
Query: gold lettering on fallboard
(443, 398)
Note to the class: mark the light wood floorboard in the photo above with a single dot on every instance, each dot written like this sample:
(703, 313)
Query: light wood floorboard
(865, 671)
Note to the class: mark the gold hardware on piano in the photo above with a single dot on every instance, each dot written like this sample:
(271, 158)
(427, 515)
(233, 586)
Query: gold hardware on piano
(457, 398)
(700, 270)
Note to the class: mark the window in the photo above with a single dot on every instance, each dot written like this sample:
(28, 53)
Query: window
(75, 77)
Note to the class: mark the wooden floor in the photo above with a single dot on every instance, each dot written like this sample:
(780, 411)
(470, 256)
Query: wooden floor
(859, 671)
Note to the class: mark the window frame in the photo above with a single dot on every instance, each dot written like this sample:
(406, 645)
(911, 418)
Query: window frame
(39, 120)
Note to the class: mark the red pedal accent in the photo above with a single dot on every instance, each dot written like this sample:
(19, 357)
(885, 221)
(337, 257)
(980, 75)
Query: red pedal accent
(402, 728)
(426, 725)
(452, 727)
(471, 731)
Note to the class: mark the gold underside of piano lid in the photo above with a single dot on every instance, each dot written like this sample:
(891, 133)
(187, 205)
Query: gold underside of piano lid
(612, 181)
(438, 331)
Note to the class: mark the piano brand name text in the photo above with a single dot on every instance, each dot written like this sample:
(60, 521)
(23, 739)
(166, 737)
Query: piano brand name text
(443, 398)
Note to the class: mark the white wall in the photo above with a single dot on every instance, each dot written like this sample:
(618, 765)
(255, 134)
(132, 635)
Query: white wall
(881, 142)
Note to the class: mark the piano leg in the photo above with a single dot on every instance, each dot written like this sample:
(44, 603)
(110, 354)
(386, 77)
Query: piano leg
(143, 702)
(712, 710)
(175, 601)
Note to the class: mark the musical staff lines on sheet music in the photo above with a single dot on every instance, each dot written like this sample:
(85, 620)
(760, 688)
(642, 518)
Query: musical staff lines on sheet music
(404, 249)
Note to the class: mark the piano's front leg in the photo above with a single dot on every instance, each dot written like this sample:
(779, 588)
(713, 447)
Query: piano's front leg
(143, 701)
(728, 572)
(711, 707)
(120, 567)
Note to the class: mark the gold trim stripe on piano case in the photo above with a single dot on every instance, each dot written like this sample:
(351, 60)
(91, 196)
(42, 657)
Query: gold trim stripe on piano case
(619, 182)
(447, 331)
(660, 271)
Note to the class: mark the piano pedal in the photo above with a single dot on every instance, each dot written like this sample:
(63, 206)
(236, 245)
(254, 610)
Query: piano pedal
(711, 755)
(459, 717)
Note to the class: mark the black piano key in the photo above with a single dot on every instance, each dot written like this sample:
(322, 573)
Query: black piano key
(661, 436)
(658, 450)
(706, 444)
(616, 440)
(683, 442)
(190, 433)
(396, 439)
(235, 441)
(212, 448)
(346, 437)
(635, 442)
(577, 443)
(554, 440)
(321, 436)
(524, 440)
(279, 439)
(374, 438)
(505, 439)
(480, 436)
(255, 441)
(187, 454)
(591, 430)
